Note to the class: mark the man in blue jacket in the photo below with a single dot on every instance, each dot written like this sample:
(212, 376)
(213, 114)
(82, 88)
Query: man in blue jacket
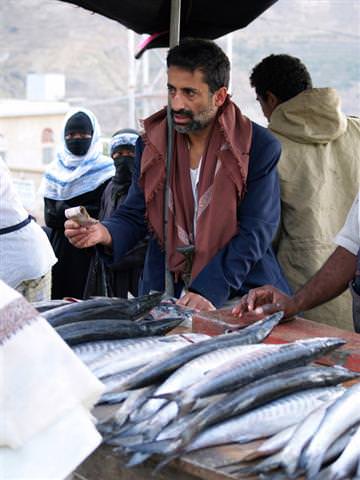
(224, 200)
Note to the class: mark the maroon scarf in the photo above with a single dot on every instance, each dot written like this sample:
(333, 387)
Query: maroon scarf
(223, 174)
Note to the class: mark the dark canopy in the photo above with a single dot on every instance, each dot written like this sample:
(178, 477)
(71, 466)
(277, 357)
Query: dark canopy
(199, 18)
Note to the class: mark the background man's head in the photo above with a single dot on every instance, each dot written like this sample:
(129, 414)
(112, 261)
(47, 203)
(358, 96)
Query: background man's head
(278, 78)
(198, 78)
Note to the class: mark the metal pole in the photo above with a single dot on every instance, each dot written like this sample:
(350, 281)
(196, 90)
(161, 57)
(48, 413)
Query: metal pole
(174, 37)
(229, 49)
(131, 79)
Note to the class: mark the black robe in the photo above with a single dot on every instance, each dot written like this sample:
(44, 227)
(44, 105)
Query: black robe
(70, 273)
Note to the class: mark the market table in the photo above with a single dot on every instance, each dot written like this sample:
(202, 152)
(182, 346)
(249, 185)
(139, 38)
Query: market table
(105, 464)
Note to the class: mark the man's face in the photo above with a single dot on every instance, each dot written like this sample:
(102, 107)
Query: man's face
(193, 106)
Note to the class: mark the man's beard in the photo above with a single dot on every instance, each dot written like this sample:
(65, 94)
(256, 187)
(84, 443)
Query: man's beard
(198, 121)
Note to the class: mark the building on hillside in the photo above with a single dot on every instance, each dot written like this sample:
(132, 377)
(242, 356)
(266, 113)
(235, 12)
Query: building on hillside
(30, 130)
(29, 133)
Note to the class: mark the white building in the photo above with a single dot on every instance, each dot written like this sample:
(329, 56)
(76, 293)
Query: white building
(30, 130)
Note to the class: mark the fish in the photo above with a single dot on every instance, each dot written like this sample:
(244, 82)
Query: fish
(345, 465)
(103, 307)
(262, 391)
(160, 369)
(230, 375)
(109, 329)
(44, 305)
(339, 417)
(140, 352)
(261, 422)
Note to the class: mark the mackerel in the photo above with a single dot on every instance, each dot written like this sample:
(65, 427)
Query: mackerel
(340, 416)
(346, 464)
(157, 370)
(108, 329)
(264, 421)
(103, 307)
(139, 352)
(262, 391)
(235, 374)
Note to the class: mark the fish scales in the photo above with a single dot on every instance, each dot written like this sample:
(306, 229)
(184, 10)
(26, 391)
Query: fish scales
(264, 421)
(340, 416)
(159, 369)
(262, 391)
(231, 375)
(140, 352)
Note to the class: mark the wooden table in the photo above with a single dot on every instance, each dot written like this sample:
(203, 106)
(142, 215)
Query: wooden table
(105, 464)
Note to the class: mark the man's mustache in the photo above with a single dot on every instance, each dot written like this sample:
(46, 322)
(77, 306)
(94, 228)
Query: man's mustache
(182, 112)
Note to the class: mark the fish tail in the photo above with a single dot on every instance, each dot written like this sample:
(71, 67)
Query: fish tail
(184, 401)
(137, 458)
(165, 447)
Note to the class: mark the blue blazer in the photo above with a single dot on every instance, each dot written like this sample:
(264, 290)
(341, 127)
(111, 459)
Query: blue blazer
(248, 260)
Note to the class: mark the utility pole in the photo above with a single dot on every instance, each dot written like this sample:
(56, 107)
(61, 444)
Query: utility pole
(131, 79)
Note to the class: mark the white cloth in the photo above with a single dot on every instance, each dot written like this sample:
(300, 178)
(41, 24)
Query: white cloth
(195, 177)
(46, 394)
(69, 175)
(349, 235)
(25, 254)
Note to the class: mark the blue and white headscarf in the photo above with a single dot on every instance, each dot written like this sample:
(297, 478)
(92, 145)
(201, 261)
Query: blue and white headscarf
(121, 139)
(69, 176)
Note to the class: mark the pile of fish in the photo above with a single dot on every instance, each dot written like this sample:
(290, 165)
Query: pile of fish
(103, 318)
(230, 389)
(180, 393)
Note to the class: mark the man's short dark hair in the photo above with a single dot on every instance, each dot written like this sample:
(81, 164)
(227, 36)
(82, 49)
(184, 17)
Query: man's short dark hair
(283, 75)
(204, 55)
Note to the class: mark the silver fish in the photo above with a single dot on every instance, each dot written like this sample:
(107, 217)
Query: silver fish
(345, 466)
(261, 422)
(343, 414)
(160, 369)
(140, 352)
(231, 375)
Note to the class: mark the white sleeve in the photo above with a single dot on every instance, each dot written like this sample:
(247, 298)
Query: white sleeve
(349, 235)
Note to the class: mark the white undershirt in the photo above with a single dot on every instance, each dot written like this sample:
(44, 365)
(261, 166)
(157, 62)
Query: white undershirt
(195, 177)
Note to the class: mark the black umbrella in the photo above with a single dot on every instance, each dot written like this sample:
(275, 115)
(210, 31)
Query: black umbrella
(167, 21)
(198, 18)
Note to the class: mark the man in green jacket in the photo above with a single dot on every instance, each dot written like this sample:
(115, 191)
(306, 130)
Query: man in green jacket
(318, 170)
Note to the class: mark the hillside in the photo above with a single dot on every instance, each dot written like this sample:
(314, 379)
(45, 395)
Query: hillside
(46, 36)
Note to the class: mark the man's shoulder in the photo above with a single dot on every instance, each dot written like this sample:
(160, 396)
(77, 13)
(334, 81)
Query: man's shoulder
(263, 138)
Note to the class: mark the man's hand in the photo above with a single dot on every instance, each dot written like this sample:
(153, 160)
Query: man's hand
(195, 301)
(83, 237)
(263, 301)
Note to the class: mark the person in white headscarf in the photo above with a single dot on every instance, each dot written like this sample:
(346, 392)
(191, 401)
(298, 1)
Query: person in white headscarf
(78, 176)
(26, 256)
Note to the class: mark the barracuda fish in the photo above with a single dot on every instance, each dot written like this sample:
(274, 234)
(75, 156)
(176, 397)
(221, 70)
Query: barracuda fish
(105, 329)
(140, 352)
(264, 421)
(272, 445)
(46, 305)
(340, 416)
(88, 352)
(199, 367)
(261, 392)
(272, 462)
(157, 370)
(345, 466)
(111, 426)
(99, 308)
(231, 375)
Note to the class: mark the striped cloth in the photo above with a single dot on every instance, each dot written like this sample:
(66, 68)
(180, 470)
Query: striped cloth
(69, 176)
